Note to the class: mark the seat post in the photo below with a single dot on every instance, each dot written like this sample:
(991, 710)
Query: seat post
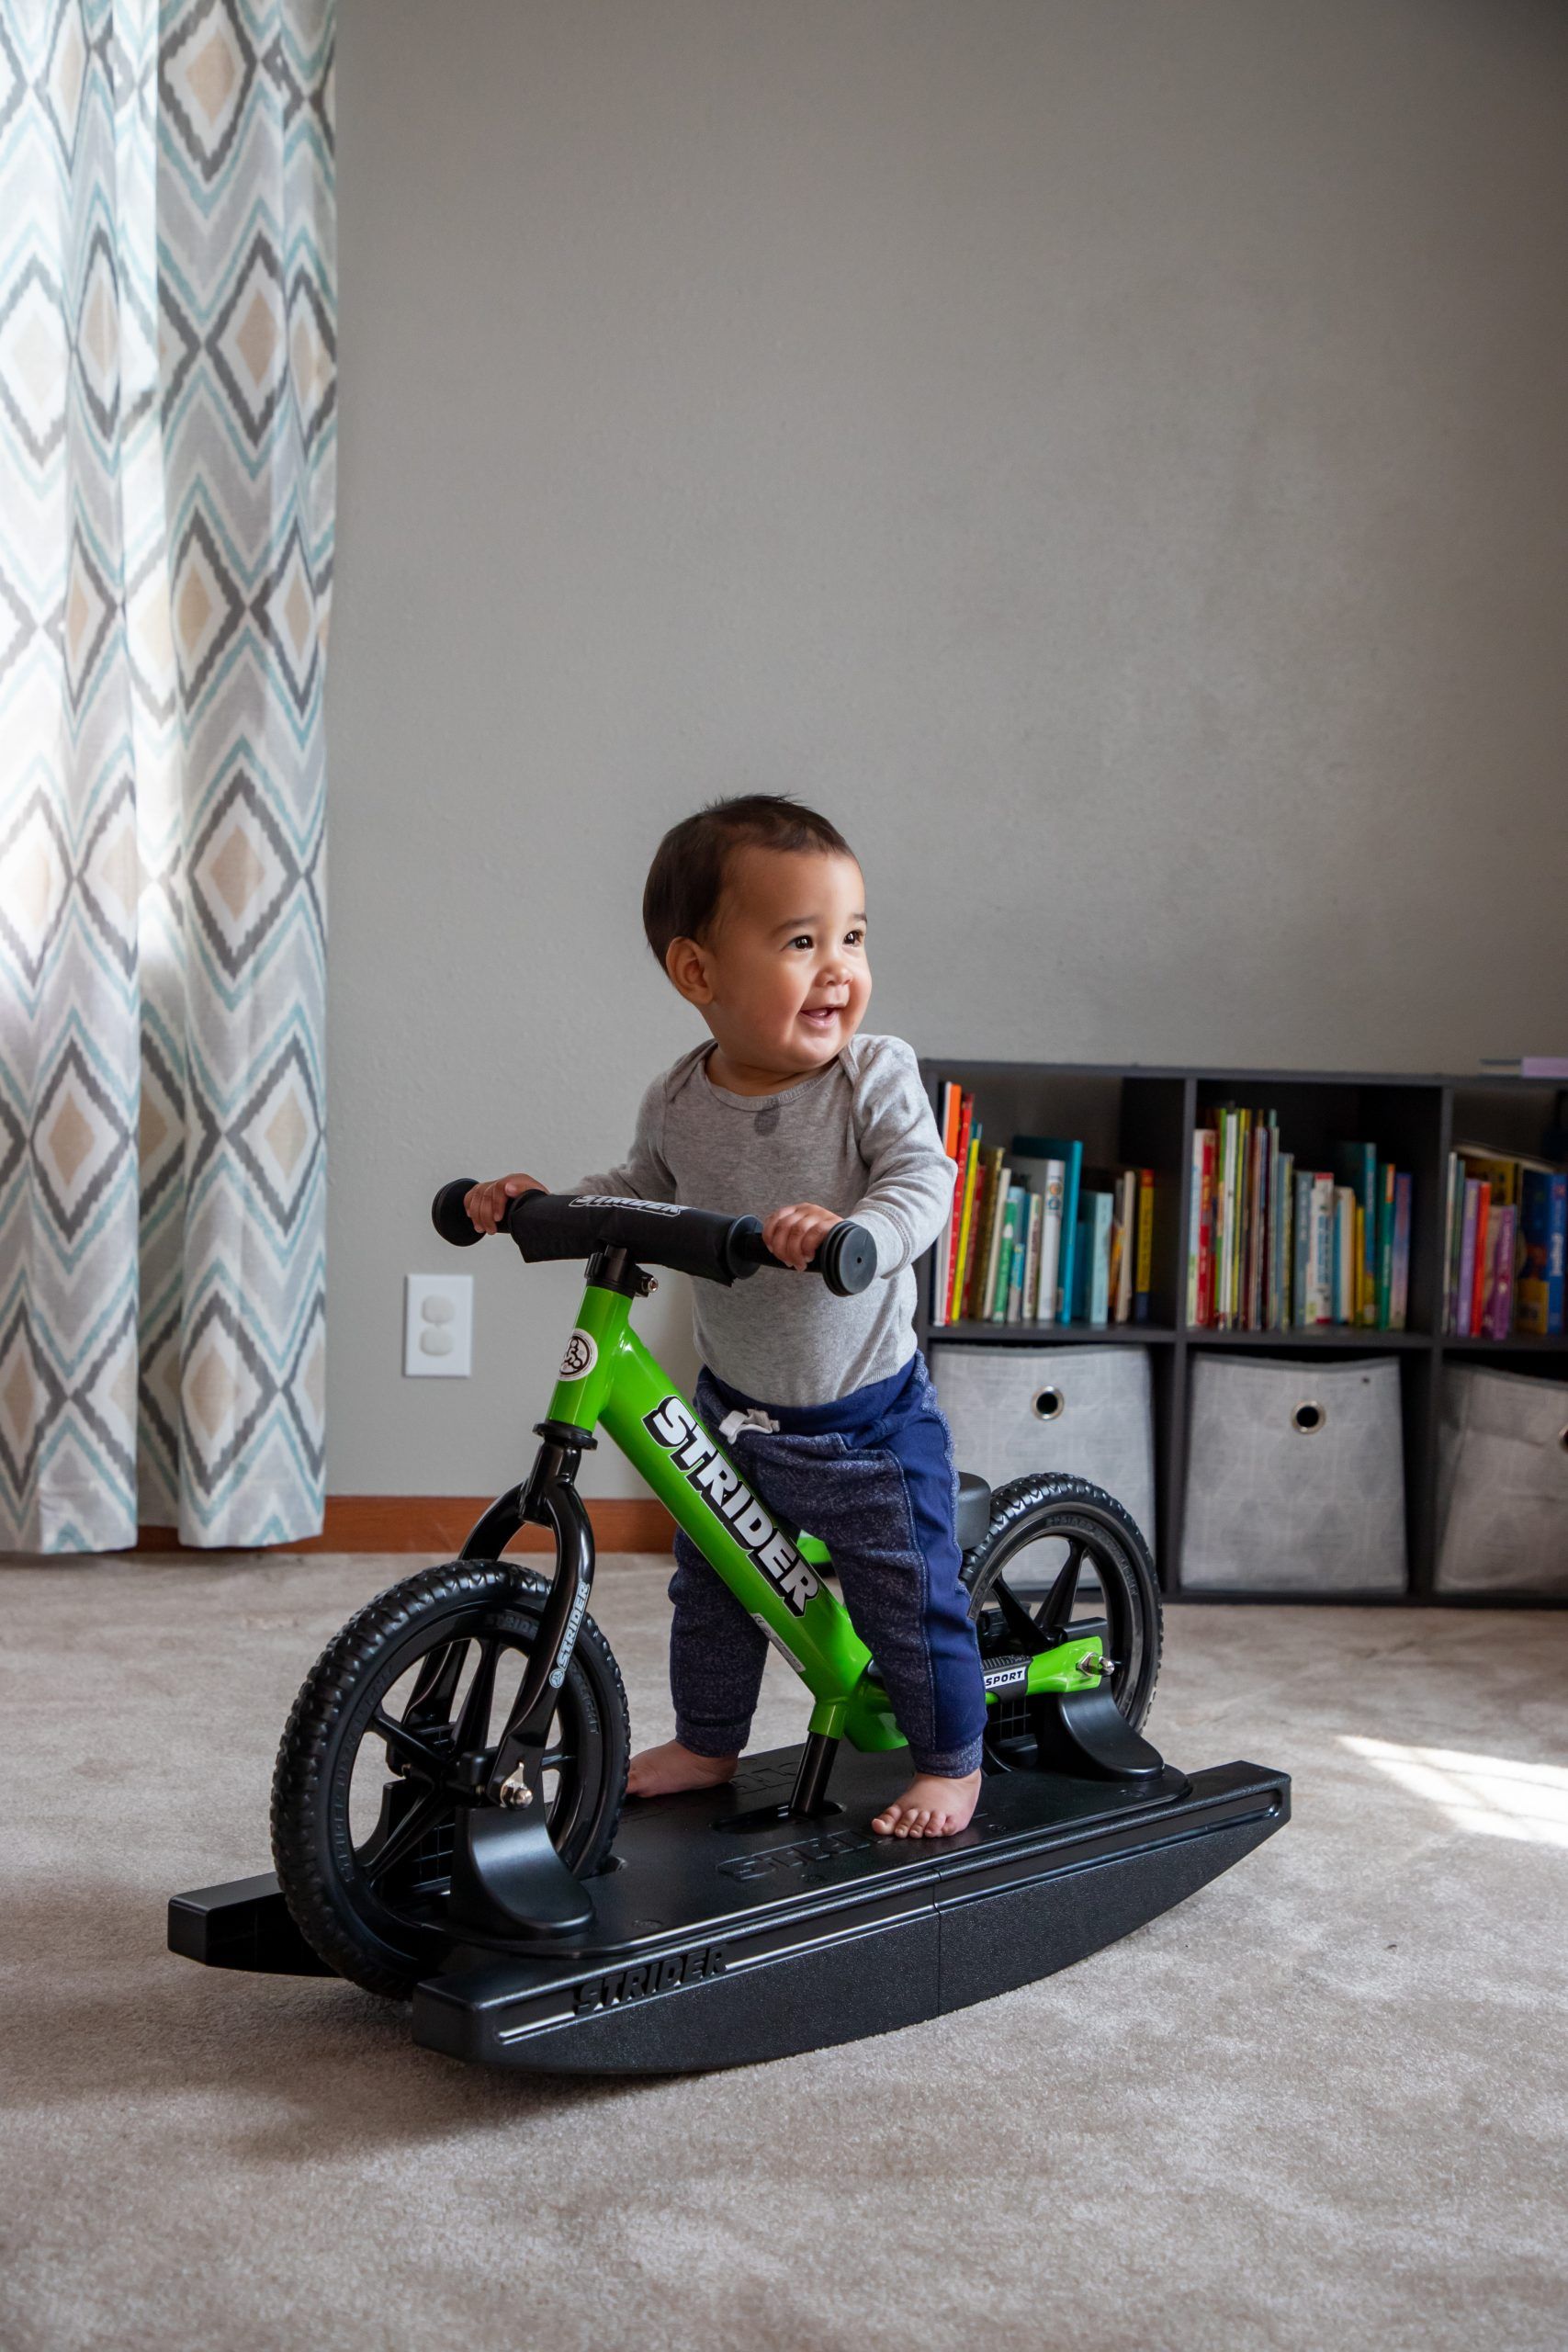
(809, 1798)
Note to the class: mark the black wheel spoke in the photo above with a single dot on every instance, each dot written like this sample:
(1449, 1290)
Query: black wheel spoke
(473, 1723)
(1056, 1610)
(436, 1687)
(409, 1746)
(406, 1836)
(555, 1760)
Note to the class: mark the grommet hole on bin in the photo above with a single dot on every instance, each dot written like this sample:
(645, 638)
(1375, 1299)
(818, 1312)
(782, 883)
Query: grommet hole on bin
(1308, 1417)
(1049, 1404)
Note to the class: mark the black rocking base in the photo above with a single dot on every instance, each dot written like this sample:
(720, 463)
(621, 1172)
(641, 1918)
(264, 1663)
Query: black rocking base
(717, 1945)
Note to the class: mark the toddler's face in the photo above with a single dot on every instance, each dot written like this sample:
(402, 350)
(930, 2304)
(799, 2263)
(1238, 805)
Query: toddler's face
(787, 966)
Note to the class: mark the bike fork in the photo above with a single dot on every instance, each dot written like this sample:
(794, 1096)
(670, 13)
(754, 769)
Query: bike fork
(507, 1879)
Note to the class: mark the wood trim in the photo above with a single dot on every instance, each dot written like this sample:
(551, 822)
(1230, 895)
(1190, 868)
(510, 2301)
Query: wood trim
(440, 1524)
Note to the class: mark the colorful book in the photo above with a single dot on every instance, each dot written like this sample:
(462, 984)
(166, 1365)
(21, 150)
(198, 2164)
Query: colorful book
(1497, 1320)
(996, 1210)
(1399, 1291)
(981, 1239)
(1144, 1266)
(1051, 1206)
(1543, 1244)
(1030, 1275)
(1098, 1208)
(1284, 1240)
(1199, 1227)
(962, 1126)
(1044, 1148)
(1346, 1256)
(1321, 1275)
(1466, 1277)
(1478, 1271)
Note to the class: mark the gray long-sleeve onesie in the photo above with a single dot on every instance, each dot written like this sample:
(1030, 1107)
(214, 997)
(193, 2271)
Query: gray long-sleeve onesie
(859, 1139)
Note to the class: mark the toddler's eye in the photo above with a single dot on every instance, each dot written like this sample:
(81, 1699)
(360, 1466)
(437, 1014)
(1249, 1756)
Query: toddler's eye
(802, 939)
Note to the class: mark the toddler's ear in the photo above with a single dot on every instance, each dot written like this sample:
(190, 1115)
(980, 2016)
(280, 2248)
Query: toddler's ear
(686, 962)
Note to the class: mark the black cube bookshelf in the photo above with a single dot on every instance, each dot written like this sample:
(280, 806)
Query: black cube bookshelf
(1147, 1117)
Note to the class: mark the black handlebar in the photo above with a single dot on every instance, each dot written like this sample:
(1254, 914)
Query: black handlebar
(703, 1243)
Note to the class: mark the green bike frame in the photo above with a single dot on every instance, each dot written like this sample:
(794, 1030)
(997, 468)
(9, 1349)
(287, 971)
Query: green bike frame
(610, 1378)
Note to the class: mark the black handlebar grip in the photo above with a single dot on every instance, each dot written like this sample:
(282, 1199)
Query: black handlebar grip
(448, 1215)
(845, 1258)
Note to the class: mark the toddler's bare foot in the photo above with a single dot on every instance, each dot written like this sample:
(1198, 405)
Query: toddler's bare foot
(931, 1807)
(661, 1771)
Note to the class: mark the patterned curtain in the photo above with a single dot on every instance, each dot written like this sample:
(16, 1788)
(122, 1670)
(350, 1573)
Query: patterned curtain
(167, 437)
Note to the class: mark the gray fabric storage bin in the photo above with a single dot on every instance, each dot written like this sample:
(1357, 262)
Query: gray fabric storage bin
(1280, 1501)
(1502, 1482)
(1084, 1409)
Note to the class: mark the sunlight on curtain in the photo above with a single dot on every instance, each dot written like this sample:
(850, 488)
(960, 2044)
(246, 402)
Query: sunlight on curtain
(167, 434)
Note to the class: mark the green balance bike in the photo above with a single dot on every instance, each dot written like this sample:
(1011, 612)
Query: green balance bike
(447, 1821)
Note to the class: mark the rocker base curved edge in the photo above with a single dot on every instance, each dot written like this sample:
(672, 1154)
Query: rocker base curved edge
(714, 1947)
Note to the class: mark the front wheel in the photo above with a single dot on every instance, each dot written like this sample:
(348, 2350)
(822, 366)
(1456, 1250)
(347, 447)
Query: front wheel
(393, 1733)
(1068, 1556)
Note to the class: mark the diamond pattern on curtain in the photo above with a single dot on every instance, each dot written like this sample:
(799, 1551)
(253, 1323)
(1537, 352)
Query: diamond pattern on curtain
(167, 440)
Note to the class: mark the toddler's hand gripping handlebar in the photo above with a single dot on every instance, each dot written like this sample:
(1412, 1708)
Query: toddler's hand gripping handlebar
(715, 1249)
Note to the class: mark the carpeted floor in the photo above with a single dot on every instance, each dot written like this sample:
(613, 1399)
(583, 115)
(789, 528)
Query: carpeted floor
(1323, 2104)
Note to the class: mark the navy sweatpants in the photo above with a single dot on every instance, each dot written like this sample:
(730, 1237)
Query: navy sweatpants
(873, 1476)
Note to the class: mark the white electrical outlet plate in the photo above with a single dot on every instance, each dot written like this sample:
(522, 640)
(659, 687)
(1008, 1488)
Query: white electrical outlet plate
(438, 1327)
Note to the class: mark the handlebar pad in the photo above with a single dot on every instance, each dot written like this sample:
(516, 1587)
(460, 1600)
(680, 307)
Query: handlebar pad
(701, 1242)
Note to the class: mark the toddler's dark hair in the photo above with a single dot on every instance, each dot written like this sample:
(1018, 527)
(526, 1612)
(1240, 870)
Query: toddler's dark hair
(686, 881)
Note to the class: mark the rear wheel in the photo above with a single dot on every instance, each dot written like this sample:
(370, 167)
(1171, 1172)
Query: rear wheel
(1068, 1556)
(393, 1734)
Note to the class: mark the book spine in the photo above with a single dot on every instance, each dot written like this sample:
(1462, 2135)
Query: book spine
(956, 1227)
(1143, 1280)
(1342, 1295)
(1466, 1262)
(1030, 1311)
(1287, 1242)
(1370, 1313)
(992, 1293)
(1556, 1253)
(962, 1275)
(1322, 1248)
(1069, 1288)
(984, 1235)
(1014, 1307)
(1453, 1218)
(1194, 1220)
(1225, 1209)
(1051, 1240)
(1399, 1296)
(1100, 1258)
(1208, 1204)
(978, 1228)
(1385, 1299)
(1302, 1268)
(1277, 1170)
(1502, 1320)
(1122, 1294)
(1478, 1279)
(1532, 1304)
(1018, 1237)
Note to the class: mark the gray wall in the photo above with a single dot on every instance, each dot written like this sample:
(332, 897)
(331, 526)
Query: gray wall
(1109, 453)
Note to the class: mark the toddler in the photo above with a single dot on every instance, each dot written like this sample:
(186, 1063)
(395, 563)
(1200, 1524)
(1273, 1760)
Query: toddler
(756, 909)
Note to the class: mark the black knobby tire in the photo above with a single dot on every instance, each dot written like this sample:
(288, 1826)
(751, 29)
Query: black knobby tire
(442, 1624)
(1071, 1519)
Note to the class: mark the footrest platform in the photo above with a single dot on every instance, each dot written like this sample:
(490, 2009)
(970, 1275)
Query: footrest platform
(712, 1946)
